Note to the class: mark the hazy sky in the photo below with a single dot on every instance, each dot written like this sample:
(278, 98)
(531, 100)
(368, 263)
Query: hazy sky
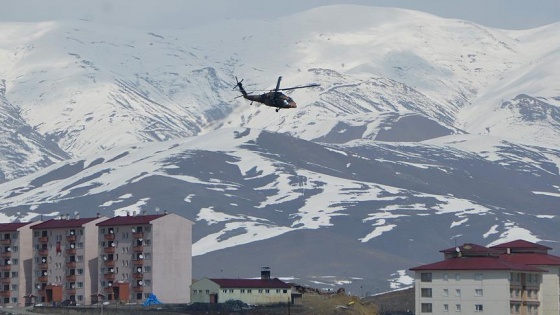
(157, 14)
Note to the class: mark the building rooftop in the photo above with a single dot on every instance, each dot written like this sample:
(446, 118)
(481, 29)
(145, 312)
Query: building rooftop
(62, 223)
(470, 249)
(534, 259)
(130, 220)
(252, 283)
(521, 244)
(477, 263)
(14, 226)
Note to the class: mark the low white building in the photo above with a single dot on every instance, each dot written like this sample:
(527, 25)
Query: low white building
(250, 291)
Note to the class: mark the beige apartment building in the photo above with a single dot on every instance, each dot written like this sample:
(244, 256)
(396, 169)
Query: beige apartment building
(64, 260)
(514, 278)
(145, 254)
(16, 254)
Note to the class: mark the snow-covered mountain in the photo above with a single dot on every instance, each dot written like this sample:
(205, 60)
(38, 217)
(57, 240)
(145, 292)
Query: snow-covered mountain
(419, 122)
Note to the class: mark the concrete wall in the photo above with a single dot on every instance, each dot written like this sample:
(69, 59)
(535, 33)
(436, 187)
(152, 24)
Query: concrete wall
(200, 291)
(25, 256)
(172, 258)
(495, 297)
(550, 291)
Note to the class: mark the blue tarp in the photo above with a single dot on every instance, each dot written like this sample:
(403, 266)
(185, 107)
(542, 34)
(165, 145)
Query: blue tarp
(151, 300)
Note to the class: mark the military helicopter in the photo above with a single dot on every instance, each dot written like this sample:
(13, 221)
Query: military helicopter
(273, 98)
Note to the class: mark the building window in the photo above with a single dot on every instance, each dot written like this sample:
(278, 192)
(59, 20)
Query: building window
(138, 296)
(249, 291)
(14, 287)
(457, 277)
(478, 292)
(426, 277)
(478, 307)
(445, 277)
(230, 290)
(277, 290)
(445, 292)
(446, 307)
(224, 291)
(80, 297)
(457, 307)
(260, 291)
(285, 291)
(426, 292)
(14, 274)
(242, 291)
(267, 291)
(14, 300)
(207, 291)
(426, 307)
(478, 277)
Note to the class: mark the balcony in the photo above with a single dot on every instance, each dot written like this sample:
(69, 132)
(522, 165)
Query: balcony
(71, 251)
(109, 263)
(109, 237)
(5, 267)
(43, 266)
(43, 252)
(71, 238)
(137, 235)
(138, 262)
(6, 254)
(137, 275)
(71, 278)
(109, 276)
(71, 291)
(71, 264)
(138, 289)
(43, 279)
(6, 241)
(43, 239)
(108, 289)
(41, 292)
(5, 293)
(138, 248)
(109, 250)
(5, 280)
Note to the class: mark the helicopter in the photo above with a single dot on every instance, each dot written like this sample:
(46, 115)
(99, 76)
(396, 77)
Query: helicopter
(273, 98)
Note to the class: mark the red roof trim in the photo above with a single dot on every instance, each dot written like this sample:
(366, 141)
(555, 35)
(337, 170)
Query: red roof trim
(62, 223)
(251, 283)
(130, 220)
(14, 226)
(477, 263)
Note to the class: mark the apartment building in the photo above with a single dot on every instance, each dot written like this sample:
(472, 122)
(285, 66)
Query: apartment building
(146, 254)
(16, 254)
(64, 260)
(518, 277)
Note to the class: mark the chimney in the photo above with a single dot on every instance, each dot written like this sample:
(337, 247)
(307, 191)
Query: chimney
(98, 215)
(67, 216)
(265, 273)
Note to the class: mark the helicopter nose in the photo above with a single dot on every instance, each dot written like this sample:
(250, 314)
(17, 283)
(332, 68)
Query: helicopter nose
(292, 104)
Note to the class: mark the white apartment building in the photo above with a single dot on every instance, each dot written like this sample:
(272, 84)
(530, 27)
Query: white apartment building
(515, 278)
(16, 252)
(145, 254)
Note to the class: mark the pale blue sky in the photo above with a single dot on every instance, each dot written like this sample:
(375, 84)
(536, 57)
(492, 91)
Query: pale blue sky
(508, 14)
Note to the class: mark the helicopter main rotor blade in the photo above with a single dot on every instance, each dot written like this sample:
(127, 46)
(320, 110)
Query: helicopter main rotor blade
(278, 84)
(300, 87)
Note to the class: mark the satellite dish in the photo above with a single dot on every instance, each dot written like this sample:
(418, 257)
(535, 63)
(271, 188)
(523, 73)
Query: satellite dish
(112, 244)
(9, 249)
(38, 286)
(140, 282)
(110, 284)
(111, 232)
(44, 260)
(141, 256)
(104, 257)
(140, 239)
(457, 249)
(133, 230)
(9, 262)
(139, 269)
(71, 232)
(72, 245)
